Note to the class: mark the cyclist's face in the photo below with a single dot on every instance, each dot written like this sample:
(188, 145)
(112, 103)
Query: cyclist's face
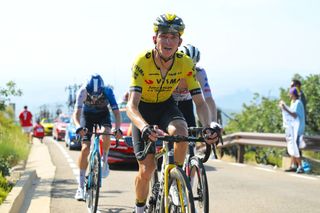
(167, 43)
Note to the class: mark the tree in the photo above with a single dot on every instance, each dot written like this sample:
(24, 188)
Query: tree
(264, 115)
(6, 93)
(261, 115)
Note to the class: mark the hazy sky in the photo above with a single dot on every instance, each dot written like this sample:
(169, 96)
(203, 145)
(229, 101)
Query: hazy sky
(254, 45)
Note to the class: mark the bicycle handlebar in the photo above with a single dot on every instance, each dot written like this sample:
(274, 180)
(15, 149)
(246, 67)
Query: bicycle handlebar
(179, 138)
(103, 133)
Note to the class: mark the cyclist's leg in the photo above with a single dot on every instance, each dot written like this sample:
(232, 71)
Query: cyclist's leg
(173, 122)
(146, 168)
(179, 127)
(142, 180)
(86, 121)
(104, 121)
(186, 107)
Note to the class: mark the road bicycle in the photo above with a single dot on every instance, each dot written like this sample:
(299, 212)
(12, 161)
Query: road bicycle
(196, 172)
(93, 177)
(161, 201)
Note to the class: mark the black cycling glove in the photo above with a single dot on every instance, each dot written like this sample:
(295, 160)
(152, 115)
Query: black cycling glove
(146, 131)
(79, 129)
(117, 131)
(215, 128)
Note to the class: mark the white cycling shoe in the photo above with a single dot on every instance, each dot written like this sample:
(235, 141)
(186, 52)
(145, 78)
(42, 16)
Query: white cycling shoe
(105, 169)
(79, 194)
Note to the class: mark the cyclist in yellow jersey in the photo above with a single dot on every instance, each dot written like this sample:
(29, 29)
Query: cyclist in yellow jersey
(155, 75)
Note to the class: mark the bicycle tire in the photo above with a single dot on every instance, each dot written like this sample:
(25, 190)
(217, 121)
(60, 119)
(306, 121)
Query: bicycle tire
(178, 174)
(199, 187)
(155, 186)
(94, 184)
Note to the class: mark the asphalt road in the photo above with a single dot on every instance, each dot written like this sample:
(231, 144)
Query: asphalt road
(233, 187)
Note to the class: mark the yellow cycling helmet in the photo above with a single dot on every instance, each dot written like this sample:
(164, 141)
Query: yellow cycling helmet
(169, 23)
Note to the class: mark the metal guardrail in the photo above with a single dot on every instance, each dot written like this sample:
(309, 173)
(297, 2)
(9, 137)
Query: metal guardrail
(241, 139)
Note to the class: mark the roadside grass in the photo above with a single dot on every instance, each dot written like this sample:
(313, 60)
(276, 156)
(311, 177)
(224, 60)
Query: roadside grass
(14, 147)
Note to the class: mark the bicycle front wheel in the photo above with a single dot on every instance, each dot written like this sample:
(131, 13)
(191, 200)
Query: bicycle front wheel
(199, 184)
(94, 184)
(180, 195)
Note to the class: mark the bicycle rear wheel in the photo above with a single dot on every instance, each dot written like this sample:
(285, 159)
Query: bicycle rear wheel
(199, 184)
(93, 187)
(178, 179)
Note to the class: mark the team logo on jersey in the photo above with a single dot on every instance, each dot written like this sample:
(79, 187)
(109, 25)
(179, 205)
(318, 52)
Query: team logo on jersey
(138, 70)
(135, 75)
(172, 74)
(168, 81)
(179, 54)
(148, 55)
(189, 73)
(148, 81)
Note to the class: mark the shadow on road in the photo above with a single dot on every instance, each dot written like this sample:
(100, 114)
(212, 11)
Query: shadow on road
(63, 188)
(115, 209)
(124, 166)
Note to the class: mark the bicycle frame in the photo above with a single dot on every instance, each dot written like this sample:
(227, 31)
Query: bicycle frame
(168, 164)
(94, 157)
(95, 150)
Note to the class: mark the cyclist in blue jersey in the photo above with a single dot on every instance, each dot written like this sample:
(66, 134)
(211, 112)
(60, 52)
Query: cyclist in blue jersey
(91, 107)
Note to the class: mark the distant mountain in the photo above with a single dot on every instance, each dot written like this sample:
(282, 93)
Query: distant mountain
(233, 102)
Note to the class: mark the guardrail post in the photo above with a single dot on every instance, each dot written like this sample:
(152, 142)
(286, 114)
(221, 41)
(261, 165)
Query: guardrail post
(240, 153)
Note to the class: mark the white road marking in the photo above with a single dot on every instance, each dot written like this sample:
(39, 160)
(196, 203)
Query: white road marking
(238, 164)
(265, 169)
(70, 161)
(303, 176)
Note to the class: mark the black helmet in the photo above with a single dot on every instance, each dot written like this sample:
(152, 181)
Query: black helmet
(169, 23)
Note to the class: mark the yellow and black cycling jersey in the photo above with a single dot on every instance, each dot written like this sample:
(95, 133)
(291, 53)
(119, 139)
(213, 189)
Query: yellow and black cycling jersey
(146, 77)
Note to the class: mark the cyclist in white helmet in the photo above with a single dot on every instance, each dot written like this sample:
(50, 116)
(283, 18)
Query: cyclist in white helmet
(183, 97)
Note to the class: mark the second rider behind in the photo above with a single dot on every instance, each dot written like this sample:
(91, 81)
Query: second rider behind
(182, 95)
(91, 108)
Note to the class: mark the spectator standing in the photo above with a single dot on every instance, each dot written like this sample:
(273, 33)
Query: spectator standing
(296, 83)
(25, 118)
(296, 111)
(38, 131)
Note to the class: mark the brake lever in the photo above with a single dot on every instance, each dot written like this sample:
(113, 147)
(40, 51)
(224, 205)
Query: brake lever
(117, 143)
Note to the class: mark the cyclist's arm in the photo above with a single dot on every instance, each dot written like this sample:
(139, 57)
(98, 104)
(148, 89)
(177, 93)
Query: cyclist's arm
(206, 90)
(80, 97)
(76, 117)
(212, 108)
(133, 111)
(117, 118)
(202, 110)
(114, 106)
